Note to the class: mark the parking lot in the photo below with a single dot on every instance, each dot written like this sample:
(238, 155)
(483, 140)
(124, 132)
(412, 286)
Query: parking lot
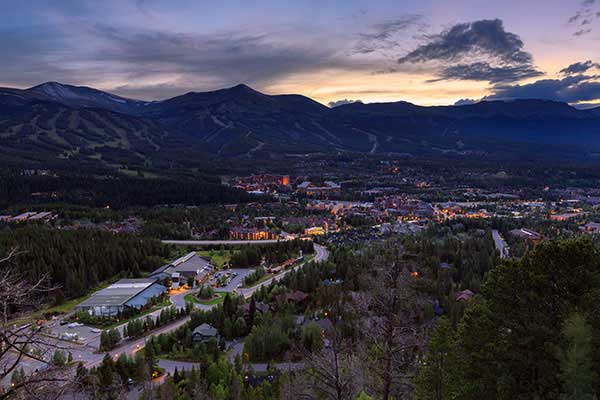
(233, 281)
(75, 331)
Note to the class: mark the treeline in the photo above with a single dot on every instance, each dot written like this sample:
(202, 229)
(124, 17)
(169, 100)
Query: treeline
(251, 256)
(533, 333)
(138, 327)
(77, 261)
(215, 378)
(116, 191)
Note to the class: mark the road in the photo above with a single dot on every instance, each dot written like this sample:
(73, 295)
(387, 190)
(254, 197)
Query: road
(500, 244)
(87, 353)
(130, 347)
(221, 242)
(321, 254)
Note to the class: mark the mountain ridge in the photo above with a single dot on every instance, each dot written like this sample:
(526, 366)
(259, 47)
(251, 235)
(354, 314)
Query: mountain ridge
(240, 121)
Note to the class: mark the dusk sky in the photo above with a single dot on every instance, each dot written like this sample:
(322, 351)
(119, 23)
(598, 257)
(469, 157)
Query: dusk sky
(426, 51)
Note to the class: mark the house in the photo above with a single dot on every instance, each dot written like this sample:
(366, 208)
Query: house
(591, 227)
(465, 295)
(204, 332)
(121, 295)
(261, 308)
(325, 325)
(295, 297)
(565, 216)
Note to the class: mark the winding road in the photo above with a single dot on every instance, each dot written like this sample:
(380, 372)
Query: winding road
(321, 254)
(88, 355)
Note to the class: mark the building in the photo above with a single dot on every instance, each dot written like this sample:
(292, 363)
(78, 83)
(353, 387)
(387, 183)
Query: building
(252, 234)
(527, 234)
(121, 295)
(591, 227)
(311, 189)
(565, 216)
(189, 266)
(465, 295)
(204, 332)
(315, 230)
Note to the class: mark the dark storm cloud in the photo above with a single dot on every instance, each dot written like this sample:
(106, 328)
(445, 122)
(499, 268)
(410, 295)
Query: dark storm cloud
(485, 37)
(579, 67)
(485, 72)
(571, 89)
(483, 49)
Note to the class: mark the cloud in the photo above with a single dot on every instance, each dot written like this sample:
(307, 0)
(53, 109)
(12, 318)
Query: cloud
(465, 102)
(337, 103)
(484, 37)
(483, 50)
(579, 67)
(223, 58)
(571, 89)
(387, 35)
(584, 17)
(482, 71)
(155, 64)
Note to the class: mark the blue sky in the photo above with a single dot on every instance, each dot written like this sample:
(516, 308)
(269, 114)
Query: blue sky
(426, 52)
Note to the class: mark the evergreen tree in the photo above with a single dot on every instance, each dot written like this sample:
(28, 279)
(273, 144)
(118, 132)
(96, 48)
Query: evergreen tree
(435, 375)
(150, 358)
(576, 372)
(59, 358)
(18, 376)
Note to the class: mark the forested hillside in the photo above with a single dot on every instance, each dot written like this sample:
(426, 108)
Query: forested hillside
(116, 191)
(76, 261)
(533, 333)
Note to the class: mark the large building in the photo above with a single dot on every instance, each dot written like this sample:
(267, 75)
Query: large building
(123, 294)
(312, 189)
(189, 266)
(240, 233)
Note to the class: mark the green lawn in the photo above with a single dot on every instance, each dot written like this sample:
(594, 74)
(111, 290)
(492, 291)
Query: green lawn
(217, 300)
(60, 309)
(218, 258)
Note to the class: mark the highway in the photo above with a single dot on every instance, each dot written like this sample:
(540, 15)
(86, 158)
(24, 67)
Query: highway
(221, 242)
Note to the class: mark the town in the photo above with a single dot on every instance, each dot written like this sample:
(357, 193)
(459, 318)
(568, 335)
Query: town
(245, 258)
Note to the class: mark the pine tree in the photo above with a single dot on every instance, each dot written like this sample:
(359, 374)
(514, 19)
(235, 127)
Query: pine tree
(149, 358)
(576, 372)
(59, 358)
(434, 379)
(105, 341)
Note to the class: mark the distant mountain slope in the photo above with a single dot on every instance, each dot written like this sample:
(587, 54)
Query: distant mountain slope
(59, 121)
(42, 131)
(240, 120)
(530, 128)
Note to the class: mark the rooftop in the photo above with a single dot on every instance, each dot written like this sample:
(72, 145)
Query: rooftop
(118, 293)
(191, 262)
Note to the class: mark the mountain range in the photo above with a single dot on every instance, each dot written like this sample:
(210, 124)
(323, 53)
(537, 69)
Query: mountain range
(54, 121)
